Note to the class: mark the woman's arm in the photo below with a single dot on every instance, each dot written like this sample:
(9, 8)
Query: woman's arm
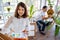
(6, 26)
(8, 22)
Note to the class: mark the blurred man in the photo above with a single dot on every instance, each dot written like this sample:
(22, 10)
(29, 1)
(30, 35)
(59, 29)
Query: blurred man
(40, 20)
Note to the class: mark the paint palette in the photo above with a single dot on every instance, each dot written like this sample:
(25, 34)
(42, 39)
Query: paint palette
(17, 35)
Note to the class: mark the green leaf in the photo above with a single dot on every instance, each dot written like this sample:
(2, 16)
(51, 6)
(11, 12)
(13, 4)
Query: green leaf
(57, 20)
(49, 27)
(56, 30)
(31, 9)
(32, 14)
(49, 1)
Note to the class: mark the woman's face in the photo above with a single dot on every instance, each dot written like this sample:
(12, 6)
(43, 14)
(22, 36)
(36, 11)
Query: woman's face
(21, 11)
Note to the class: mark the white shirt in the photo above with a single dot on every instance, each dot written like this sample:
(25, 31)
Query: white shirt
(38, 15)
(18, 25)
(50, 20)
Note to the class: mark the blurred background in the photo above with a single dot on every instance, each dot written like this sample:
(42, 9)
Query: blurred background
(7, 7)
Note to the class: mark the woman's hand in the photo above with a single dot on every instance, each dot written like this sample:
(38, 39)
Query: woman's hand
(25, 31)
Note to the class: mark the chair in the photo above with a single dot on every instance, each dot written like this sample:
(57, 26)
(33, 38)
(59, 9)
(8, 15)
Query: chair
(4, 37)
(1, 38)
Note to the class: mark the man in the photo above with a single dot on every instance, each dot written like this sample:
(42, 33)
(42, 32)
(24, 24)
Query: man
(40, 20)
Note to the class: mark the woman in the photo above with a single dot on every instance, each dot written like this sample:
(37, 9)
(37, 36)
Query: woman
(19, 22)
(50, 12)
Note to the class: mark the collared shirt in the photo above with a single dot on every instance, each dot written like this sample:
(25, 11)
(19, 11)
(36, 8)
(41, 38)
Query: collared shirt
(38, 15)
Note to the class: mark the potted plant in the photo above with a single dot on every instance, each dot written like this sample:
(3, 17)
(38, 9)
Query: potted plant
(57, 21)
(32, 11)
(50, 3)
(8, 9)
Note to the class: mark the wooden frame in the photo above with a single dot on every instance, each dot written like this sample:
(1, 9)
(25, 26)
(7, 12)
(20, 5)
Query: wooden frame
(5, 37)
(1, 38)
(34, 23)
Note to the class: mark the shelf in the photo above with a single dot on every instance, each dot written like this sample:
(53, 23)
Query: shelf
(1, 21)
(1, 25)
(3, 10)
